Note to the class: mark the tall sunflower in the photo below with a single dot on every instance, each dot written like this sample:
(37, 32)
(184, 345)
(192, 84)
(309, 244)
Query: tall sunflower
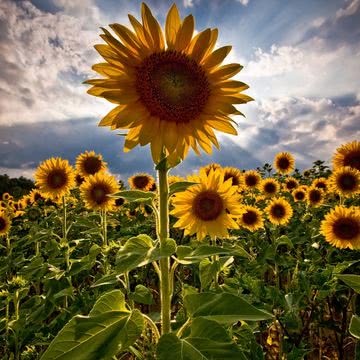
(252, 179)
(279, 211)
(251, 219)
(55, 178)
(269, 187)
(90, 163)
(35, 196)
(314, 196)
(341, 227)
(208, 208)
(4, 223)
(291, 183)
(6, 196)
(95, 191)
(345, 181)
(142, 181)
(347, 155)
(284, 163)
(170, 92)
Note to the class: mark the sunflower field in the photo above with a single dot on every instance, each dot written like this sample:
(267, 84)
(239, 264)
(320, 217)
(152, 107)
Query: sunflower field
(224, 263)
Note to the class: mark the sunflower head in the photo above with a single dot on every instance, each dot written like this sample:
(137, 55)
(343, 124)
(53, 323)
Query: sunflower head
(209, 167)
(55, 178)
(284, 163)
(251, 218)
(320, 183)
(347, 155)
(90, 163)
(307, 173)
(209, 207)
(170, 91)
(269, 187)
(35, 196)
(252, 179)
(291, 183)
(341, 227)
(95, 191)
(142, 181)
(299, 194)
(6, 196)
(279, 211)
(235, 175)
(314, 196)
(4, 223)
(345, 181)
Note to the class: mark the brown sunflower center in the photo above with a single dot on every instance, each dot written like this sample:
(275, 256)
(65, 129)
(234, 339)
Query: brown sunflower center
(283, 163)
(352, 159)
(37, 196)
(2, 223)
(291, 184)
(346, 228)
(270, 188)
(251, 180)
(141, 181)
(92, 165)
(57, 179)
(172, 86)
(315, 196)
(208, 205)
(250, 217)
(278, 211)
(347, 182)
(99, 193)
(299, 195)
(234, 179)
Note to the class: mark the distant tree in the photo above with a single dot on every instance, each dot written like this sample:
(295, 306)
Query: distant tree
(17, 187)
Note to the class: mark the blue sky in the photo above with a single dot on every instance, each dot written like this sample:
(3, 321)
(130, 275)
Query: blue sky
(301, 60)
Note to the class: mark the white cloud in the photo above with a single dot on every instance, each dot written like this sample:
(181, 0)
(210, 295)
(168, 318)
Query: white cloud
(349, 10)
(243, 2)
(188, 3)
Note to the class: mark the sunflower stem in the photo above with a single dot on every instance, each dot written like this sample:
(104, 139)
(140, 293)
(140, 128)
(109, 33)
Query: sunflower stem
(65, 243)
(105, 239)
(163, 231)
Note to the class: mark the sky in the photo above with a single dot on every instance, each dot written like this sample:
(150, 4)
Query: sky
(301, 60)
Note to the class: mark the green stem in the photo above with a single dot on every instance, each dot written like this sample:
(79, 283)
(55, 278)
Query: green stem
(104, 221)
(16, 304)
(165, 286)
(153, 327)
(65, 242)
(8, 245)
(128, 290)
(105, 239)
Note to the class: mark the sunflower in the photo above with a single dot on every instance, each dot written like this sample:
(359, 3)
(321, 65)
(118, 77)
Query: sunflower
(172, 96)
(347, 155)
(234, 174)
(269, 187)
(209, 207)
(320, 183)
(279, 211)
(141, 181)
(89, 163)
(251, 219)
(3, 205)
(291, 183)
(95, 191)
(212, 166)
(284, 163)
(252, 179)
(314, 196)
(299, 194)
(35, 196)
(6, 196)
(4, 223)
(26, 201)
(55, 178)
(345, 181)
(307, 172)
(341, 227)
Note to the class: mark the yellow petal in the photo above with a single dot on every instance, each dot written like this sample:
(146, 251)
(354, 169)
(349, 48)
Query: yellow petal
(152, 27)
(223, 126)
(185, 33)
(201, 45)
(217, 57)
(172, 26)
(225, 72)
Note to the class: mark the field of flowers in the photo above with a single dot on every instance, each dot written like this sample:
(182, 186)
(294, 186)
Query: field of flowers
(80, 272)
(224, 263)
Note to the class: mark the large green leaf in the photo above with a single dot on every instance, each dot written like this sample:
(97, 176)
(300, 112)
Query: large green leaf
(135, 195)
(180, 186)
(224, 307)
(207, 272)
(354, 327)
(207, 340)
(188, 255)
(350, 280)
(141, 250)
(109, 328)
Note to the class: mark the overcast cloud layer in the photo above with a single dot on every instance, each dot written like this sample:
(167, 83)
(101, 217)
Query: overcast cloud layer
(301, 60)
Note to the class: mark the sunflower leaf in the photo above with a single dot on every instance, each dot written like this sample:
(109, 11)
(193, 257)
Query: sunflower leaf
(350, 280)
(134, 195)
(354, 327)
(180, 186)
